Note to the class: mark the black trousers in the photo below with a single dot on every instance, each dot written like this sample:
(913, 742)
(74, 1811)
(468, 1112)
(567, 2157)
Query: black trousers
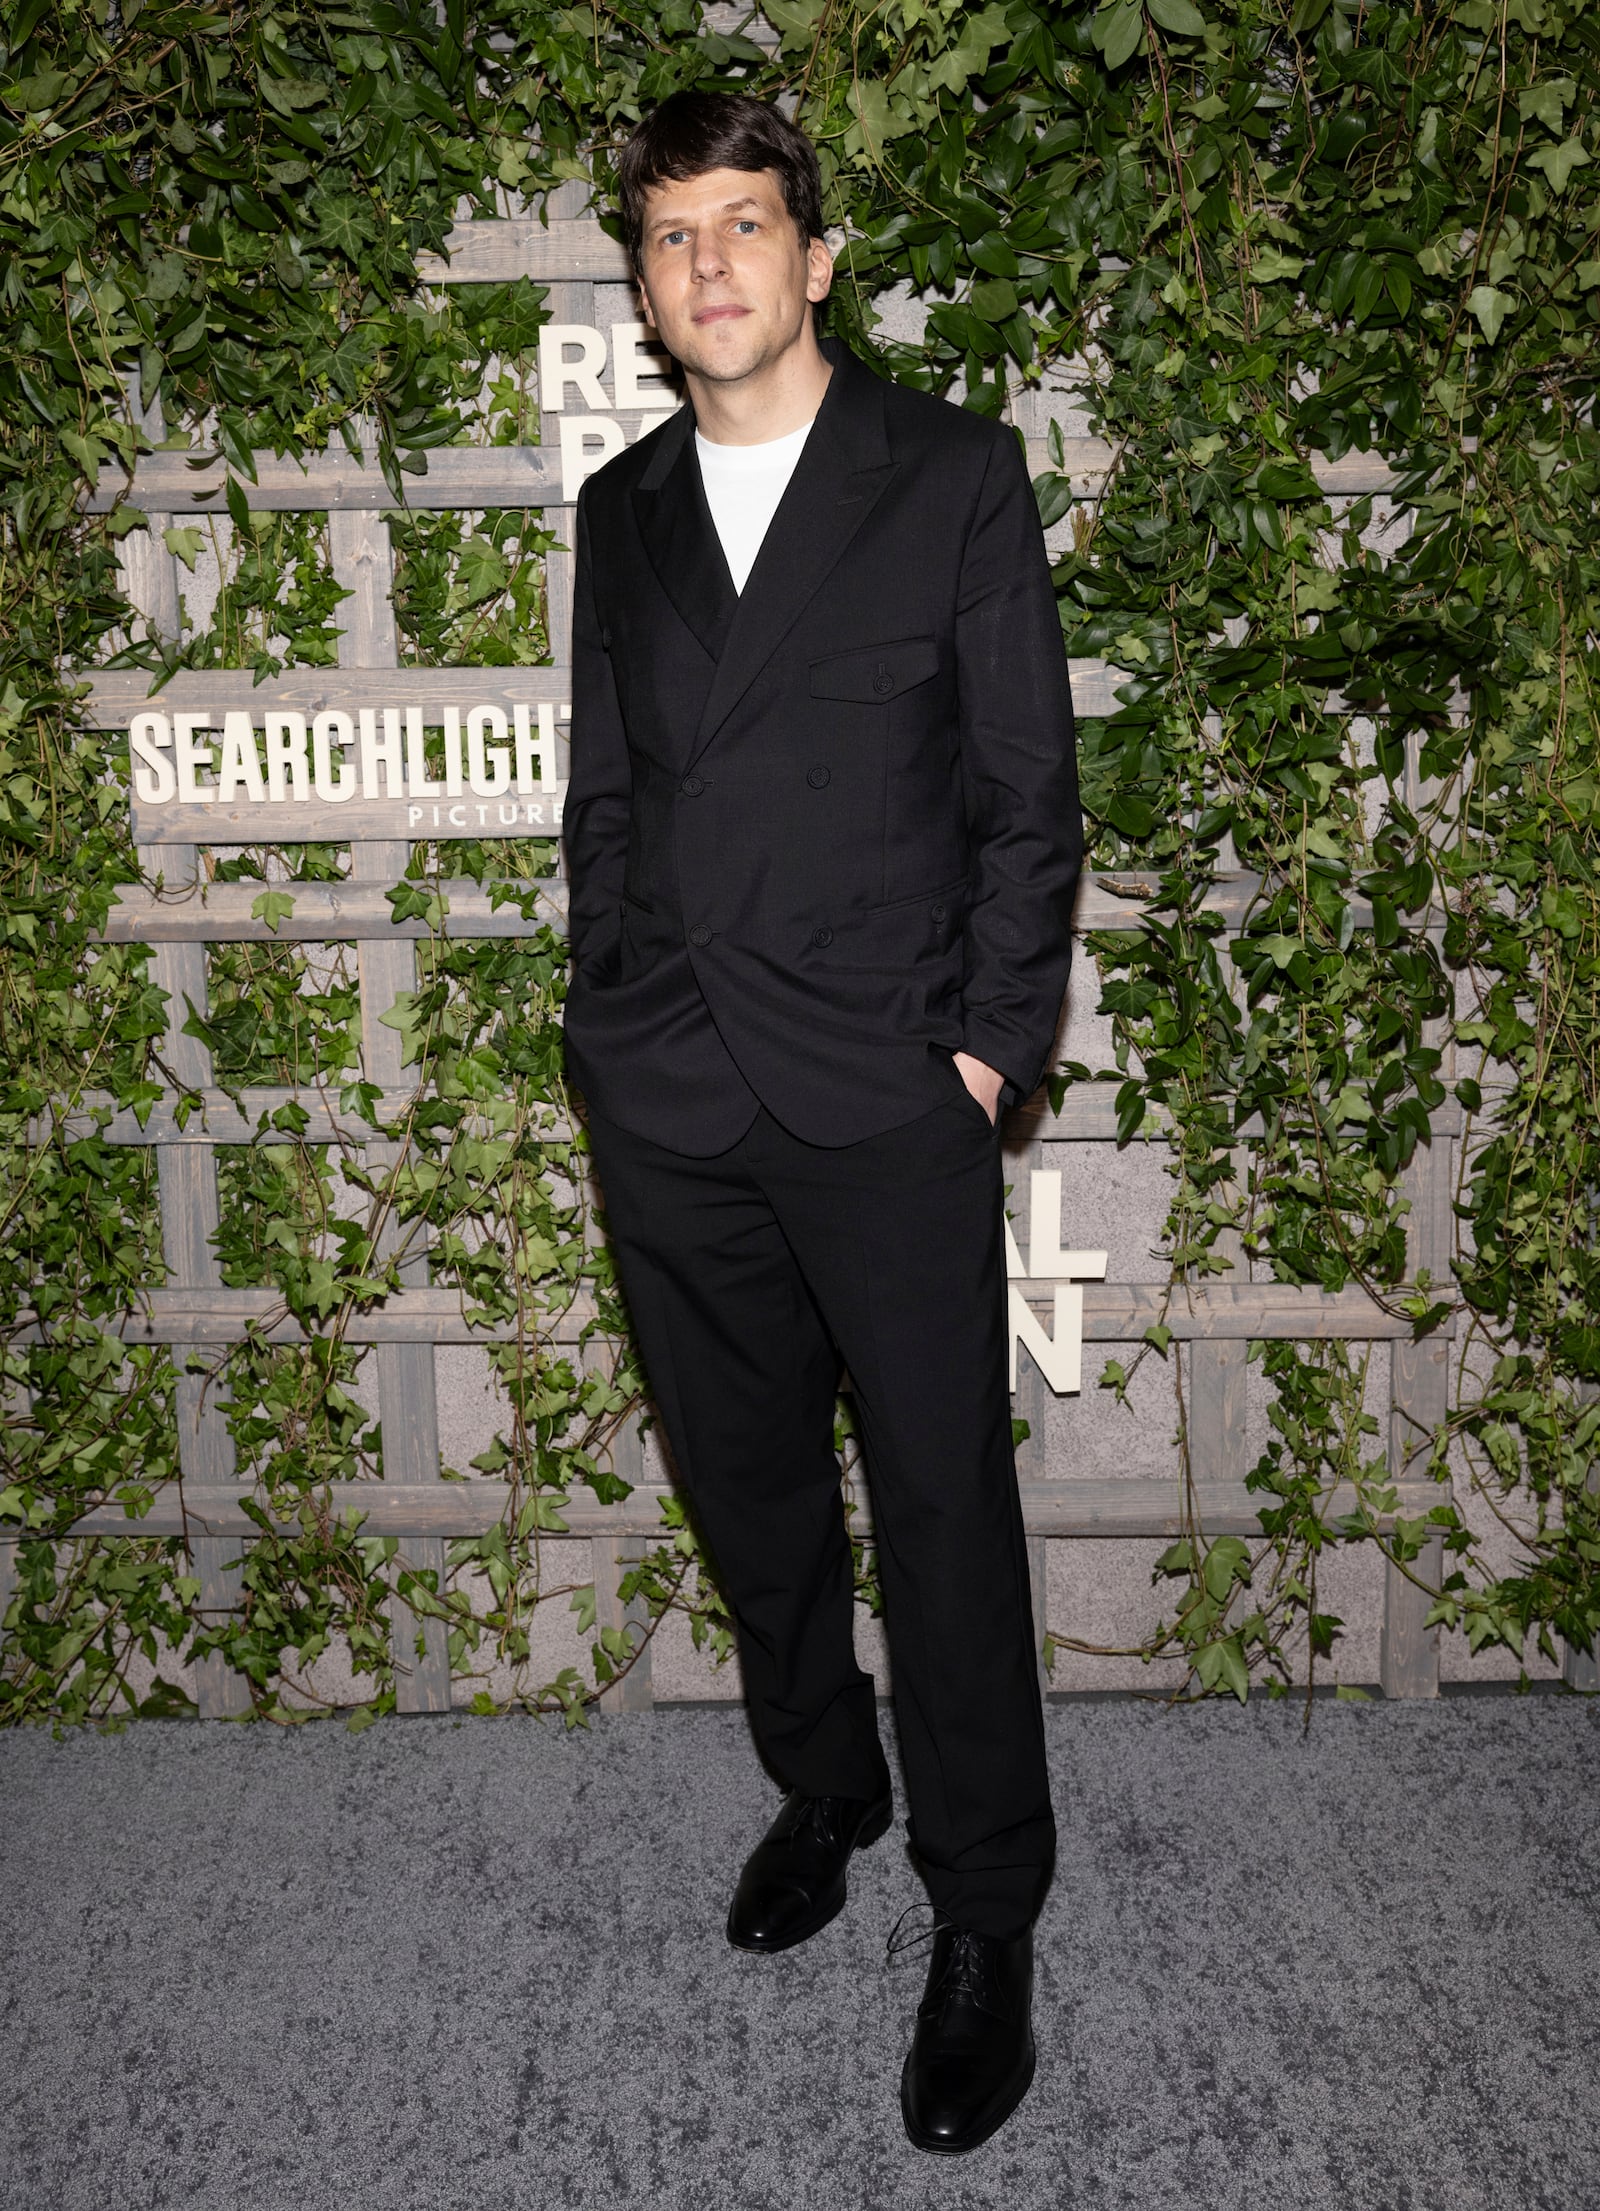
(750, 1276)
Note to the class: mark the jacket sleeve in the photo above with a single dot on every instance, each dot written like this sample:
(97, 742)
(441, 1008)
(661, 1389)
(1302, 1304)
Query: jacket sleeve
(1020, 780)
(600, 784)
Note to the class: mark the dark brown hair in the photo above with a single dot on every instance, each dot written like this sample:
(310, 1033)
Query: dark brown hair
(692, 132)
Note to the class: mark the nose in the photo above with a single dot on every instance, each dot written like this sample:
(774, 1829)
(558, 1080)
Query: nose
(710, 262)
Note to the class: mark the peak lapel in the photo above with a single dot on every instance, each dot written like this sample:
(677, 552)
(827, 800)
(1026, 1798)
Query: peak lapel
(669, 504)
(843, 471)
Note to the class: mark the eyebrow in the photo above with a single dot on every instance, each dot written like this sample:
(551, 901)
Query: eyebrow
(728, 207)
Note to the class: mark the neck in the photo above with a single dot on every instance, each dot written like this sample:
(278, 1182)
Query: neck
(782, 395)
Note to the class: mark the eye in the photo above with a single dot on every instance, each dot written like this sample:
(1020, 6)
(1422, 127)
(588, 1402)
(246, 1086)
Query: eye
(671, 237)
(747, 223)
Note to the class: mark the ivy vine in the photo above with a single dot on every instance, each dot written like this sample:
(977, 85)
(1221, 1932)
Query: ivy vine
(1253, 234)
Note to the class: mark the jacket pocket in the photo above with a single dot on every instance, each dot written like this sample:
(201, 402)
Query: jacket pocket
(923, 932)
(874, 674)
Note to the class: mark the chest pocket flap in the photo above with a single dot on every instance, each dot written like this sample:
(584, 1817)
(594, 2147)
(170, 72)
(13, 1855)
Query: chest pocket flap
(874, 674)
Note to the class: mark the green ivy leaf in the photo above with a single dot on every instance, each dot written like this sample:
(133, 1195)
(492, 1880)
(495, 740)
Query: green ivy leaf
(1271, 265)
(1179, 16)
(994, 300)
(1558, 162)
(1117, 29)
(1490, 307)
(272, 907)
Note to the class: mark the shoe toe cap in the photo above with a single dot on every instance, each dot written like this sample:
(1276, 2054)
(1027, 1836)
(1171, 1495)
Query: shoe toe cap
(954, 2102)
(771, 1914)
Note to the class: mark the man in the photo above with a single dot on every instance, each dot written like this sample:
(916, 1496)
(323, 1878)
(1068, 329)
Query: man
(823, 839)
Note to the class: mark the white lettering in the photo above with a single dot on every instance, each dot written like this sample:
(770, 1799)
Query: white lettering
(507, 815)
(385, 755)
(416, 757)
(529, 747)
(637, 356)
(327, 730)
(190, 757)
(238, 761)
(458, 816)
(556, 372)
(1047, 1262)
(149, 738)
(488, 770)
(288, 773)
(1060, 1360)
(413, 816)
(577, 462)
(452, 752)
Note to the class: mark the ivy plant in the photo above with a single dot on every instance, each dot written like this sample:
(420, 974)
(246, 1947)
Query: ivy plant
(1244, 238)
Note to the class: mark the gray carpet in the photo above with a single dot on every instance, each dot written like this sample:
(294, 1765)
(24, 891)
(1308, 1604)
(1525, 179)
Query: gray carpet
(480, 1964)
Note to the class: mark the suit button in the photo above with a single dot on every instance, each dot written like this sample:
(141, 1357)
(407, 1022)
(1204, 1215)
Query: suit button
(883, 682)
(692, 786)
(939, 912)
(818, 778)
(822, 936)
(700, 934)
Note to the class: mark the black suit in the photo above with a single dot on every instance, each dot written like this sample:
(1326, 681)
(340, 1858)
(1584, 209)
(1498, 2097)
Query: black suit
(822, 835)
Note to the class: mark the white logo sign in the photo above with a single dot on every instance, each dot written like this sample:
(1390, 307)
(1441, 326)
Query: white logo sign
(500, 769)
(1059, 1357)
(572, 358)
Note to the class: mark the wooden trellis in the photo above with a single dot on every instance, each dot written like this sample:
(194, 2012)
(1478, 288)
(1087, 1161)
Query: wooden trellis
(1211, 1326)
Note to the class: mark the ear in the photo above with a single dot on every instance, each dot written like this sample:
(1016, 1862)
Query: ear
(819, 270)
(644, 302)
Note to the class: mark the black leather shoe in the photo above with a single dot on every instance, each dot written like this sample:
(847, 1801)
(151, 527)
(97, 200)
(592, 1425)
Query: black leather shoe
(971, 2058)
(793, 1882)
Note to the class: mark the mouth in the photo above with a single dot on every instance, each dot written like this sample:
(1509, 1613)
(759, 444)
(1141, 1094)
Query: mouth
(724, 313)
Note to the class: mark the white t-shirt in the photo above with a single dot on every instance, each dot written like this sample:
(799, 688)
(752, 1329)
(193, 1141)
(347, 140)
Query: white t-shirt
(743, 486)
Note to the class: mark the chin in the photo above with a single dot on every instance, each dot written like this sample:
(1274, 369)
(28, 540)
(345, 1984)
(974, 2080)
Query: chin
(726, 364)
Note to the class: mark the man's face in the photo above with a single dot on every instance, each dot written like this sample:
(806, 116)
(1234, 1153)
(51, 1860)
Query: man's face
(727, 281)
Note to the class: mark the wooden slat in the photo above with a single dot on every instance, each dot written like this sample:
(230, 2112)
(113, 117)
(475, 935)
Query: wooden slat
(408, 1412)
(570, 302)
(214, 913)
(1112, 1313)
(1419, 1393)
(1088, 1116)
(115, 695)
(323, 913)
(610, 1558)
(566, 250)
(1087, 1506)
(1216, 1375)
(1039, 1599)
(168, 486)
(1580, 1670)
(8, 1586)
(147, 571)
(356, 822)
(468, 477)
(190, 1214)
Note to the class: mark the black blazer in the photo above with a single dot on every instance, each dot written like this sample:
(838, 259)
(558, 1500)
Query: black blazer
(825, 833)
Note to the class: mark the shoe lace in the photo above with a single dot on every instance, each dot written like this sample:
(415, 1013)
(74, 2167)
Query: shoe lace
(966, 1964)
(917, 1937)
(819, 1813)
